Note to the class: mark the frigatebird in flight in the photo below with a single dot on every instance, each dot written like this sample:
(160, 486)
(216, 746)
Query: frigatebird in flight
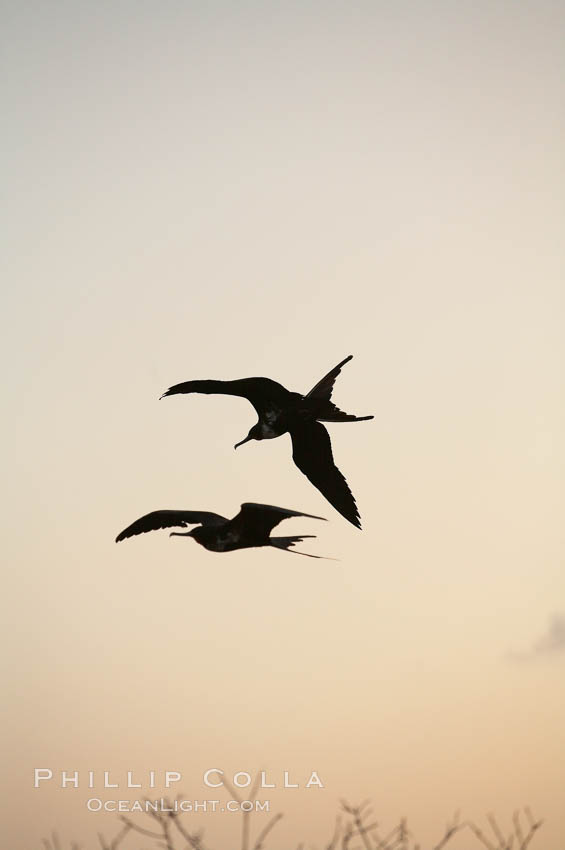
(279, 411)
(251, 527)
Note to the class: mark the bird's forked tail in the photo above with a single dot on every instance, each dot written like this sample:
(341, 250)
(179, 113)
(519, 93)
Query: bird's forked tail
(330, 413)
(287, 542)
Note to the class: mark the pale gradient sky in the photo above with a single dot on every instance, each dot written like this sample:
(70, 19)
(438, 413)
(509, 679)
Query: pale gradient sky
(214, 189)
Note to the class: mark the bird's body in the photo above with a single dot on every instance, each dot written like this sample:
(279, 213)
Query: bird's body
(280, 411)
(250, 528)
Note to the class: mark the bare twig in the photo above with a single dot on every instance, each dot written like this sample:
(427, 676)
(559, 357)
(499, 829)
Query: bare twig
(140, 829)
(194, 841)
(354, 830)
(480, 835)
(245, 821)
(358, 813)
(518, 828)
(450, 831)
(335, 837)
(496, 829)
(265, 831)
(534, 826)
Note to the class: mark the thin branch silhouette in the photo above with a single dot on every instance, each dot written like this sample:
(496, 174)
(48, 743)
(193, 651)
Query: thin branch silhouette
(355, 828)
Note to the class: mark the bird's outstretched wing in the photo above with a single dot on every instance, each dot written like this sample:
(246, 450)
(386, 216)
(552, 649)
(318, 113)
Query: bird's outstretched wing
(312, 453)
(326, 410)
(261, 392)
(169, 519)
(264, 517)
(324, 388)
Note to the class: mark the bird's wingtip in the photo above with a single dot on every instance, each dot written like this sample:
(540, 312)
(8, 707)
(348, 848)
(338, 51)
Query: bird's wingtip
(355, 520)
(315, 516)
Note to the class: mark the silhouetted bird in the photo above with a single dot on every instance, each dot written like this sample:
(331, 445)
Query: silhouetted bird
(279, 411)
(251, 527)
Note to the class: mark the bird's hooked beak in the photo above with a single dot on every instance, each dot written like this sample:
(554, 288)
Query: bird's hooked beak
(243, 441)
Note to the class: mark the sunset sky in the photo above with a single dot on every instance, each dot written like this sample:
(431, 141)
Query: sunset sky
(220, 190)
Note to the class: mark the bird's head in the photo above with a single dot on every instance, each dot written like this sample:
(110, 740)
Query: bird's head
(254, 434)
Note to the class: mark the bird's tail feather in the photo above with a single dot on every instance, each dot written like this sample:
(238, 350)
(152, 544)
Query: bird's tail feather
(330, 413)
(287, 542)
